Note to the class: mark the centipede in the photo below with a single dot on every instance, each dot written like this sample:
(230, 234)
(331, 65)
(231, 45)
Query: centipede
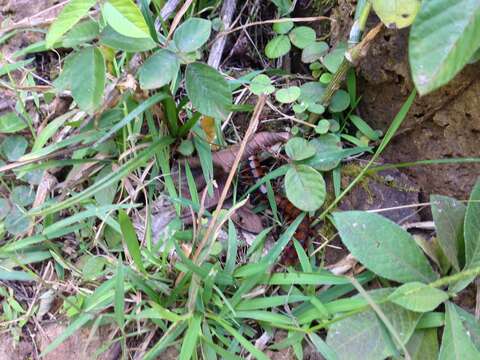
(289, 212)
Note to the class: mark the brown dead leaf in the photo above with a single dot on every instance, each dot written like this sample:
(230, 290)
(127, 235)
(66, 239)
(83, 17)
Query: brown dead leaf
(224, 159)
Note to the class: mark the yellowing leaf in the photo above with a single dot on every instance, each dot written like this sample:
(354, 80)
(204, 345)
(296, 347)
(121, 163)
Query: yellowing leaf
(207, 123)
(396, 13)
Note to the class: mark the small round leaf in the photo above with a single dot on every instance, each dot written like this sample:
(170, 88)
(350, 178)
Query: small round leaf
(299, 149)
(314, 52)
(16, 221)
(283, 27)
(11, 122)
(322, 127)
(278, 46)
(288, 95)
(334, 58)
(316, 109)
(302, 36)
(305, 187)
(311, 92)
(340, 101)
(14, 146)
(261, 84)
(22, 195)
(192, 34)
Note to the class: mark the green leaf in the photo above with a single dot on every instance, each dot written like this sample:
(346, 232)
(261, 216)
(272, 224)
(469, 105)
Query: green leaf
(159, 70)
(115, 40)
(416, 296)
(284, 6)
(278, 46)
(311, 92)
(299, 149)
(302, 36)
(443, 39)
(14, 146)
(423, 345)
(288, 95)
(364, 128)
(68, 17)
(125, 18)
(4, 207)
(191, 338)
(10, 122)
(17, 222)
(329, 152)
(305, 187)
(131, 240)
(22, 195)
(396, 13)
(448, 215)
(471, 325)
(192, 34)
(472, 228)
(334, 58)
(340, 101)
(456, 344)
(314, 52)
(322, 127)
(106, 196)
(322, 347)
(81, 33)
(283, 28)
(383, 247)
(119, 304)
(202, 79)
(88, 78)
(261, 84)
(316, 108)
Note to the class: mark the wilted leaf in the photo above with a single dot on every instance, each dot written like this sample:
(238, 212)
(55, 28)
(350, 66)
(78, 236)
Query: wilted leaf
(383, 246)
(396, 13)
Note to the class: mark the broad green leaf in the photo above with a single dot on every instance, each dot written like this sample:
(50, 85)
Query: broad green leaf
(322, 347)
(10, 122)
(278, 46)
(201, 80)
(328, 152)
(471, 325)
(159, 70)
(302, 36)
(4, 207)
(284, 6)
(311, 92)
(448, 215)
(64, 80)
(314, 52)
(288, 95)
(88, 79)
(93, 267)
(335, 57)
(472, 228)
(340, 101)
(283, 27)
(383, 247)
(13, 147)
(261, 84)
(299, 149)
(68, 17)
(125, 18)
(456, 343)
(81, 33)
(396, 13)
(115, 40)
(443, 39)
(416, 296)
(423, 345)
(22, 195)
(305, 187)
(192, 34)
(106, 196)
(361, 333)
(16, 221)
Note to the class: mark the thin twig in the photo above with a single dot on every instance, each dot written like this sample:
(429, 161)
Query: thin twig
(226, 14)
(274, 21)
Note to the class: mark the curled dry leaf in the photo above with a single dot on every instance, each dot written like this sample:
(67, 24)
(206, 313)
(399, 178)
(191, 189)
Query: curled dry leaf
(224, 159)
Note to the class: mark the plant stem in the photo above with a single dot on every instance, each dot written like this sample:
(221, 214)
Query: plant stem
(361, 14)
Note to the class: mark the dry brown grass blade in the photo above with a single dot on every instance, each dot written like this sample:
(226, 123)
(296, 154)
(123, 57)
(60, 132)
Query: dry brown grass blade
(213, 223)
(178, 17)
